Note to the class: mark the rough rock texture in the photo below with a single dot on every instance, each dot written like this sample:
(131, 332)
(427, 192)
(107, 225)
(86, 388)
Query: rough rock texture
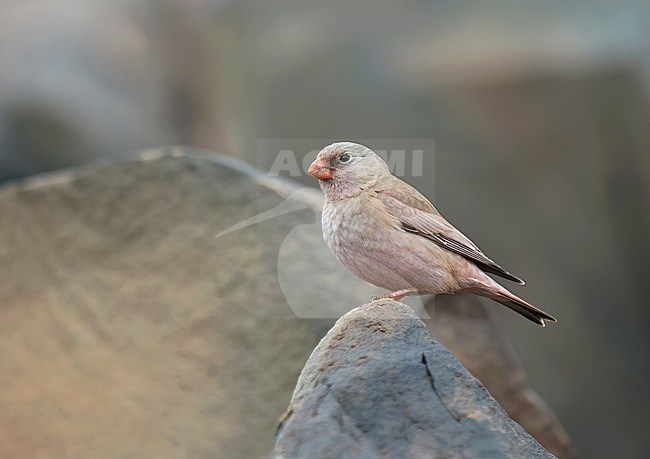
(127, 329)
(467, 326)
(380, 385)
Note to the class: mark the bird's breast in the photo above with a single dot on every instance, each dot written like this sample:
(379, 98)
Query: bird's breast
(336, 225)
(372, 245)
(352, 235)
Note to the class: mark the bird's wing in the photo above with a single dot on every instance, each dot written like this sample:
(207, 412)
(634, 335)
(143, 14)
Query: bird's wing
(417, 215)
(407, 196)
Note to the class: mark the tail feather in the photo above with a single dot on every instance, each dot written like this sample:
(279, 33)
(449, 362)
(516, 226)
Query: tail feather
(527, 310)
(496, 292)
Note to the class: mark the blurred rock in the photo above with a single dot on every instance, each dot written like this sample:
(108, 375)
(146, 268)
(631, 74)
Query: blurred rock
(380, 385)
(128, 330)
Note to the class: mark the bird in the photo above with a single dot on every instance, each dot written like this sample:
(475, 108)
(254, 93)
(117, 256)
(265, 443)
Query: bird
(389, 235)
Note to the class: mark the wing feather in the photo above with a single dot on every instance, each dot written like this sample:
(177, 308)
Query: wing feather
(417, 215)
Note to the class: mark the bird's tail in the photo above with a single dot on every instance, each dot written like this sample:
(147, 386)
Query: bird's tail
(496, 292)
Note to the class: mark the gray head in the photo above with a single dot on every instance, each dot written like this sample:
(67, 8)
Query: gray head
(346, 169)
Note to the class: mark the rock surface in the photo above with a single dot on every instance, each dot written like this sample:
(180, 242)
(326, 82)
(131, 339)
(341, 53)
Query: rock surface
(380, 385)
(490, 357)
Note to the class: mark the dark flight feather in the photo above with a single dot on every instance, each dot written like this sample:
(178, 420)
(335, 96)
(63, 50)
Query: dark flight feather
(477, 257)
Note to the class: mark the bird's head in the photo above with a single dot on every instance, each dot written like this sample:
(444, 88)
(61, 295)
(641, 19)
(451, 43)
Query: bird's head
(347, 168)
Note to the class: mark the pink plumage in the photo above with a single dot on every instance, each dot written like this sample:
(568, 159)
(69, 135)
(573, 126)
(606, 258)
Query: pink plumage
(390, 235)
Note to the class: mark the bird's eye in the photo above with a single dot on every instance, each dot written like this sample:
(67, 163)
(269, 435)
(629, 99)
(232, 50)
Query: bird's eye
(344, 158)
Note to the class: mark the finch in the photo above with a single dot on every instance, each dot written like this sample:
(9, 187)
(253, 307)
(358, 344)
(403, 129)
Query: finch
(388, 234)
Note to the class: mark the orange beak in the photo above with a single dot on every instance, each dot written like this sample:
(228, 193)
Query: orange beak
(320, 169)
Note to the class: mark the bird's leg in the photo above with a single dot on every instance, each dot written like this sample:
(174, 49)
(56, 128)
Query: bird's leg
(396, 295)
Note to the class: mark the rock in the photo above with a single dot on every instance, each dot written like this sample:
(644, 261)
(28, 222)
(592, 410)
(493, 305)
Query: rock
(490, 357)
(127, 329)
(380, 385)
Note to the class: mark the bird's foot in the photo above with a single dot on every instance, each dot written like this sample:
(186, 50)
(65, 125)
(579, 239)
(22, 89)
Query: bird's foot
(396, 295)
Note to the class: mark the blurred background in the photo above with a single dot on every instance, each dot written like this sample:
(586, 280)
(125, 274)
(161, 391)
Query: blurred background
(540, 112)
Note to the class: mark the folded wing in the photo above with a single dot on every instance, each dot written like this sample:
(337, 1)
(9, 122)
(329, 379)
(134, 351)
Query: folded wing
(417, 215)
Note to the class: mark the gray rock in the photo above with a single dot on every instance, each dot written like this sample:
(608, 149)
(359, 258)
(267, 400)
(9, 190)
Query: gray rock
(490, 357)
(380, 385)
